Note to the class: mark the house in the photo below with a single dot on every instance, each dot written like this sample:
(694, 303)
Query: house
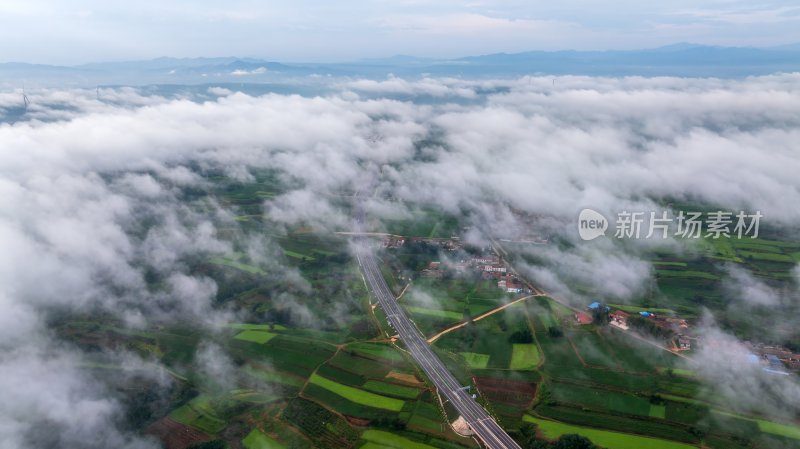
(499, 268)
(486, 260)
(619, 319)
(594, 306)
(583, 318)
(510, 284)
(774, 361)
(684, 343)
(433, 270)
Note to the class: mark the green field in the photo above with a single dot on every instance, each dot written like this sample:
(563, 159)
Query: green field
(475, 360)
(377, 350)
(197, 413)
(297, 255)
(257, 440)
(272, 375)
(358, 396)
(255, 336)
(687, 274)
(455, 316)
(399, 391)
(600, 399)
(380, 439)
(606, 439)
(229, 261)
(637, 309)
(658, 411)
(256, 327)
(783, 430)
(524, 356)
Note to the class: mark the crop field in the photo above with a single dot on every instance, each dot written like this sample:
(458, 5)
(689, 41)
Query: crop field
(234, 260)
(255, 336)
(603, 438)
(475, 360)
(341, 376)
(515, 393)
(325, 428)
(197, 413)
(298, 358)
(446, 314)
(600, 399)
(641, 425)
(424, 223)
(390, 389)
(258, 440)
(524, 356)
(658, 411)
(175, 435)
(363, 366)
(378, 439)
(637, 309)
(593, 349)
(377, 351)
(256, 327)
(358, 396)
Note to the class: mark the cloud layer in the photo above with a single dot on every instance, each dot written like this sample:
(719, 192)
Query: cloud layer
(81, 176)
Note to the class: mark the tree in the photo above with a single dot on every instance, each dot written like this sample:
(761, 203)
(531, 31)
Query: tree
(521, 336)
(555, 332)
(600, 315)
(573, 441)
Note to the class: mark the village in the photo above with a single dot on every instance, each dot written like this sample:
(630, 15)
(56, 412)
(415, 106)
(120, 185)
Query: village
(674, 332)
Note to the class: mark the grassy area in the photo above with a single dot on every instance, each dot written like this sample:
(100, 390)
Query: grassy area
(358, 396)
(609, 440)
(257, 440)
(475, 360)
(455, 316)
(381, 439)
(524, 356)
(255, 336)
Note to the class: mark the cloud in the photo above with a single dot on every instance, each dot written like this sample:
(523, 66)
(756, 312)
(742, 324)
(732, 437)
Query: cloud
(730, 374)
(256, 71)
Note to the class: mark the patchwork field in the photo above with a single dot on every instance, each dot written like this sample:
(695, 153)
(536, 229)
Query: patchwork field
(378, 439)
(606, 439)
(358, 396)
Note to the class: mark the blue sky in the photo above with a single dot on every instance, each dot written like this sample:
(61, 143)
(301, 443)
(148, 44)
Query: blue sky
(69, 32)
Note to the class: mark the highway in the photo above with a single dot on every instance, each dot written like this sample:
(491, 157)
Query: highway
(484, 426)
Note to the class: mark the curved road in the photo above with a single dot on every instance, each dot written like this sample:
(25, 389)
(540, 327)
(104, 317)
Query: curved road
(484, 426)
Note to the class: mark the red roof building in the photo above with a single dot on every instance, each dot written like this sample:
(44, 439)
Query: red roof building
(583, 318)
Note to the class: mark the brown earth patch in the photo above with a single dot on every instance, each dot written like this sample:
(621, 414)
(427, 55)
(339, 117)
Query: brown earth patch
(175, 435)
(516, 393)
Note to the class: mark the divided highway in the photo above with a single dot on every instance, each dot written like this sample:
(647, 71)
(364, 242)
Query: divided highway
(484, 426)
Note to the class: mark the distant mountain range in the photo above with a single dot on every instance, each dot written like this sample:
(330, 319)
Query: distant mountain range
(688, 60)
